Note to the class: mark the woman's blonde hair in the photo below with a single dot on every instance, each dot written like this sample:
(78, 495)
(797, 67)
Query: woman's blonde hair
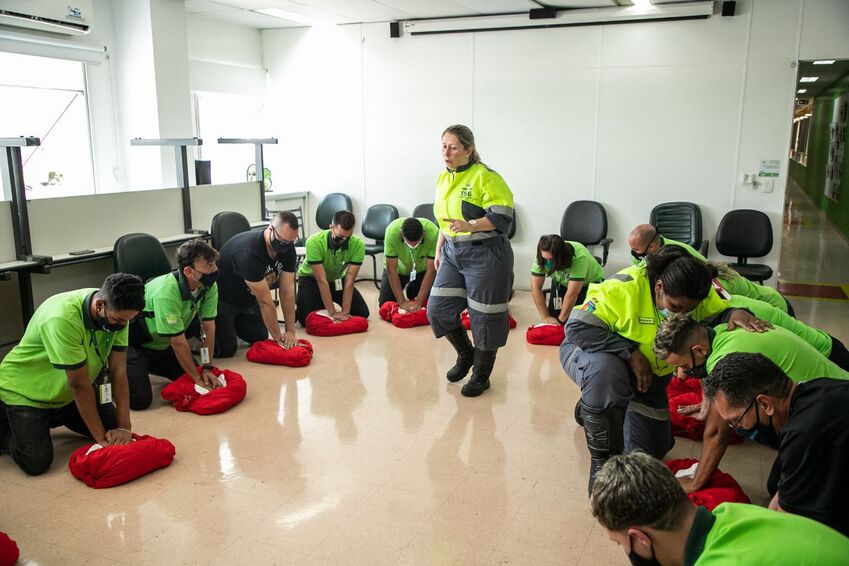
(467, 138)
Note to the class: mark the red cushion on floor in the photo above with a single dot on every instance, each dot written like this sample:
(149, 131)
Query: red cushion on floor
(114, 465)
(467, 324)
(182, 393)
(390, 312)
(722, 488)
(683, 392)
(320, 325)
(9, 552)
(545, 334)
(270, 352)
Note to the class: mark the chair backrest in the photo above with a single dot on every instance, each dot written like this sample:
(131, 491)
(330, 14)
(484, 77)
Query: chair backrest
(584, 221)
(225, 225)
(744, 233)
(377, 218)
(425, 211)
(302, 230)
(681, 221)
(140, 254)
(330, 205)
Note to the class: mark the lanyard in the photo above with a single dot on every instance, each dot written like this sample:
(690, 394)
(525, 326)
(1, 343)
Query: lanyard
(337, 266)
(196, 312)
(104, 362)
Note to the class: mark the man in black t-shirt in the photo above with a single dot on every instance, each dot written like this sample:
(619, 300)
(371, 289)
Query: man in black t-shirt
(250, 265)
(812, 422)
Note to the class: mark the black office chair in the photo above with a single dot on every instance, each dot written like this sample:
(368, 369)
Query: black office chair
(377, 218)
(225, 225)
(744, 234)
(681, 221)
(330, 205)
(425, 211)
(140, 254)
(585, 221)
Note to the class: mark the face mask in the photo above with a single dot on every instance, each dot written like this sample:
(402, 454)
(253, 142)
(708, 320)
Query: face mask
(280, 247)
(664, 313)
(548, 265)
(638, 560)
(758, 430)
(697, 371)
(638, 256)
(338, 241)
(208, 279)
(107, 326)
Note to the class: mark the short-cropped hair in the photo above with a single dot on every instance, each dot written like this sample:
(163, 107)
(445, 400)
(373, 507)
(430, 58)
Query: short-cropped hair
(636, 489)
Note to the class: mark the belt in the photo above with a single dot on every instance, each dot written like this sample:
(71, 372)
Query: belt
(485, 242)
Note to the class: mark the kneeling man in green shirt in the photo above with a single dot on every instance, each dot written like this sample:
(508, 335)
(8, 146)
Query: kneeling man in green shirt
(70, 369)
(641, 506)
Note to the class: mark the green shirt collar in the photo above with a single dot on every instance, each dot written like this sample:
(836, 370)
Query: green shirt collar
(702, 524)
(87, 320)
(183, 285)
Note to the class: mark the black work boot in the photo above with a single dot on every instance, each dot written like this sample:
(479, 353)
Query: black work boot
(579, 418)
(479, 382)
(459, 338)
(605, 437)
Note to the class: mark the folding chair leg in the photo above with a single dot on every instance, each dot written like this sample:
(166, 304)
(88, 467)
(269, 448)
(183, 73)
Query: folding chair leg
(374, 271)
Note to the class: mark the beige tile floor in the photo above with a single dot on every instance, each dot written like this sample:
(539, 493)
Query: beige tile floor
(366, 457)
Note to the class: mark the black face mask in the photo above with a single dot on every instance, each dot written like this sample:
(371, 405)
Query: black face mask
(638, 560)
(107, 326)
(760, 432)
(208, 279)
(338, 241)
(638, 256)
(280, 247)
(697, 371)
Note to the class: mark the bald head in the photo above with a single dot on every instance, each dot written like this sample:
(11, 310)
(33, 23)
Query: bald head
(643, 239)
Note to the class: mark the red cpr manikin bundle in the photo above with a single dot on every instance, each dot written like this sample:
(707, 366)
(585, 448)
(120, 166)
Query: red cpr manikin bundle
(391, 312)
(107, 466)
(682, 393)
(187, 396)
(722, 488)
(545, 334)
(319, 323)
(270, 352)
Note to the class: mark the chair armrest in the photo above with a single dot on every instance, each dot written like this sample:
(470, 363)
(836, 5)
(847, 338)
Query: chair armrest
(605, 244)
(704, 247)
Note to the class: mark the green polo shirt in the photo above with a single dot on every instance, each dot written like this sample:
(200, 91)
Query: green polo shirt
(739, 285)
(739, 534)
(60, 336)
(395, 247)
(169, 307)
(817, 338)
(691, 251)
(584, 268)
(334, 260)
(798, 359)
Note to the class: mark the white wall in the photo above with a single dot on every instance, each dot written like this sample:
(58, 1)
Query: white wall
(629, 115)
(224, 58)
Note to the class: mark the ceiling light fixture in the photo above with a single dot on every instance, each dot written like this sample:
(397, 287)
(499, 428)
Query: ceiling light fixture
(808, 79)
(802, 91)
(824, 62)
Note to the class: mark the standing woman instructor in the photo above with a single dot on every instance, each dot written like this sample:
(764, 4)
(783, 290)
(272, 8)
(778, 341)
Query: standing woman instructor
(474, 260)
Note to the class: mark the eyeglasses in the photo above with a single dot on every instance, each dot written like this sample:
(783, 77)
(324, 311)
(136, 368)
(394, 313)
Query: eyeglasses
(279, 239)
(735, 426)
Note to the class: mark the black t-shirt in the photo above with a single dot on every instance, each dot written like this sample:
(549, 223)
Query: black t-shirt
(245, 258)
(814, 453)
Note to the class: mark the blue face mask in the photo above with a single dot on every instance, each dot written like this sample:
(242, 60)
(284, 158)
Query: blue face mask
(664, 313)
(548, 264)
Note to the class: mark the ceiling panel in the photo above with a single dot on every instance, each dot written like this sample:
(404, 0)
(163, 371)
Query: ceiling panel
(251, 19)
(583, 4)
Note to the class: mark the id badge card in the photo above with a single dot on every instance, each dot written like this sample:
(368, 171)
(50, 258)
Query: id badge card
(204, 356)
(104, 391)
(338, 284)
(413, 274)
(558, 302)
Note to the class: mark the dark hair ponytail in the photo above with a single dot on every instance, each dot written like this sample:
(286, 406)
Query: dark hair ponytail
(682, 275)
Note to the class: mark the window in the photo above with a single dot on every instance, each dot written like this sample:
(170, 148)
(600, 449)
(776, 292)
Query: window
(220, 115)
(46, 98)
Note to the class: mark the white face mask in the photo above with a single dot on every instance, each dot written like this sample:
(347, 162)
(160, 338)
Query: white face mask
(411, 246)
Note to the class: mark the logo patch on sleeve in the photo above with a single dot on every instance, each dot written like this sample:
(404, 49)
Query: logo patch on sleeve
(171, 319)
(589, 306)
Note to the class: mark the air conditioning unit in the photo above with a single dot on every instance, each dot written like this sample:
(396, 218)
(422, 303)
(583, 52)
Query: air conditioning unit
(68, 17)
